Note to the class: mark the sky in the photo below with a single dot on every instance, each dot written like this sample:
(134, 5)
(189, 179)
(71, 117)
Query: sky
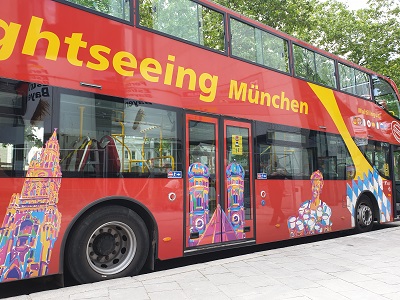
(355, 4)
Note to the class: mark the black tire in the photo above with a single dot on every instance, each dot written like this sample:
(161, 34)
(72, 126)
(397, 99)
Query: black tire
(364, 215)
(110, 242)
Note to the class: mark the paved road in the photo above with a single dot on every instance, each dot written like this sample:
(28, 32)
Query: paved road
(363, 266)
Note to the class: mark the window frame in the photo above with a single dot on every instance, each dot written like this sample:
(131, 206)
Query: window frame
(334, 61)
(223, 13)
(288, 43)
(359, 70)
(101, 14)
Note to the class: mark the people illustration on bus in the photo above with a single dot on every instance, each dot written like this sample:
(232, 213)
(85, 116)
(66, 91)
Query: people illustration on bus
(314, 215)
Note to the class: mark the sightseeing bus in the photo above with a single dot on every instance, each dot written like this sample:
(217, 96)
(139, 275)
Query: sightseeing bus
(133, 131)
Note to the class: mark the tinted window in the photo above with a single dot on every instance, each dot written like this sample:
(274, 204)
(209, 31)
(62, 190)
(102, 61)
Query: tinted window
(354, 81)
(23, 131)
(120, 9)
(259, 46)
(292, 153)
(186, 20)
(314, 67)
(103, 136)
(385, 96)
(377, 154)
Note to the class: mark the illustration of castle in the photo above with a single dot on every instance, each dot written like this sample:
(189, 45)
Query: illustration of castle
(32, 221)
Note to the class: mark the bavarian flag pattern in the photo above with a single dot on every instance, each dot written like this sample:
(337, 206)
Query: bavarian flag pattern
(373, 183)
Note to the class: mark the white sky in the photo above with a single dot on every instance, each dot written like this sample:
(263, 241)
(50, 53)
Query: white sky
(355, 4)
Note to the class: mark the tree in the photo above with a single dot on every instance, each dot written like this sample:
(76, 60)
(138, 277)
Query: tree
(368, 37)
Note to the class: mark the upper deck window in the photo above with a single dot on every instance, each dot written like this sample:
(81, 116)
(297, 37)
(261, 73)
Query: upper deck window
(116, 8)
(187, 20)
(259, 46)
(314, 67)
(385, 96)
(354, 81)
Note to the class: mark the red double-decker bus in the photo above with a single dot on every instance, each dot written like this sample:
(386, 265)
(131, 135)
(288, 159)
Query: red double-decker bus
(142, 130)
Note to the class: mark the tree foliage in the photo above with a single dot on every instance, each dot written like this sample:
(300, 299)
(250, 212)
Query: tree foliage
(368, 37)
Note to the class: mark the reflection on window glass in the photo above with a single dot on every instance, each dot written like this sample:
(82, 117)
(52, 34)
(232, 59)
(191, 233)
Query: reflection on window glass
(202, 141)
(243, 40)
(186, 20)
(116, 137)
(354, 82)
(333, 158)
(116, 8)
(314, 67)
(290, 153)
(237, 151)
(304, 66)
(25, 127)
(385, 96)
(377, 154)
(258, 46)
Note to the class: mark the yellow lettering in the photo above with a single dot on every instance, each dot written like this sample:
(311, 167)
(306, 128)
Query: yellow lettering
(35, 34)
(304, 108)
(254, 98)
(208, 90)
(264, 96)
(169, 70)
(182, 72)
(123, 60)
(274, 99)
(102, 62)
(235, 93)
(75, 43)
(285, 102)
(7, 42)
(150, 65)
(294, 105)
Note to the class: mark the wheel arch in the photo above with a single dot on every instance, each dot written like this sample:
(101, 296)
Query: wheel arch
(374, 202)
(123, 201)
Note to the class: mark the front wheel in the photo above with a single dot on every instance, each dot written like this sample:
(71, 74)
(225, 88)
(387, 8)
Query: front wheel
(108, 243)
(364, 215)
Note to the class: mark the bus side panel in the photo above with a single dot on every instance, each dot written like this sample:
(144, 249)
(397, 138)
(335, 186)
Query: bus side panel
(39, 247)
(281, 208)
(154, 194)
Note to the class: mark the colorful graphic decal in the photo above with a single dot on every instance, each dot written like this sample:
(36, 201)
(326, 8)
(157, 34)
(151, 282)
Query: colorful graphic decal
(199, 199)
(367, 178)
(314, 216)
(235, 188)
(219, 227)
(373, 183)
(32, 221)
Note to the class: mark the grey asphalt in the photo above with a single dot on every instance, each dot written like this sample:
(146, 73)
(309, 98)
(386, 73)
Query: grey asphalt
(362, 266)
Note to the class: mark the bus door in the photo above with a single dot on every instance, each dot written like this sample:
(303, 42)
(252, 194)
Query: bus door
(218, 185)
(396, 179)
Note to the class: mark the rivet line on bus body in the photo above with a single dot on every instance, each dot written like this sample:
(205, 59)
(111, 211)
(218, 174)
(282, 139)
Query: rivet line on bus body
(91, 85)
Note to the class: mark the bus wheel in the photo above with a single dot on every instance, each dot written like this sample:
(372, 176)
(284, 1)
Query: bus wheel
(110, 242)
(365, 215)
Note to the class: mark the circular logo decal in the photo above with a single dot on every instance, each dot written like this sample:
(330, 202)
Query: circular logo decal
(396, 130)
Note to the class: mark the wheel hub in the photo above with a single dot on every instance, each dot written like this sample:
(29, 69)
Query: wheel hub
(104, 244)
(111, 248)
(364, 215)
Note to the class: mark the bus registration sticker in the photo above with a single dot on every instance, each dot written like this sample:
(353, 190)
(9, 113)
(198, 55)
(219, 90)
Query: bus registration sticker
(175, 174)
(261, 175)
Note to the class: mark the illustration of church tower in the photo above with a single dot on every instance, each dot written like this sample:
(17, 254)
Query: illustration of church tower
(32, 221)
(198, 174)
(235, 195)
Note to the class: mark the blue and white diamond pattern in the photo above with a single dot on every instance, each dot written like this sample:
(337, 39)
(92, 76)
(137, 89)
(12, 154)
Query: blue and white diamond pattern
(373, 183)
